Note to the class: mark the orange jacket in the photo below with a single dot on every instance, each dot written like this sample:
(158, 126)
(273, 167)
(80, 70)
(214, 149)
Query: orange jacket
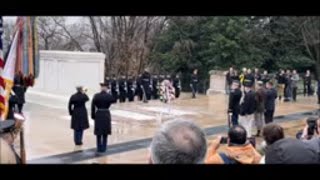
(245, 154)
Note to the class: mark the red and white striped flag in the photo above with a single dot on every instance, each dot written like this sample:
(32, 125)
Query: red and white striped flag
(2, 82)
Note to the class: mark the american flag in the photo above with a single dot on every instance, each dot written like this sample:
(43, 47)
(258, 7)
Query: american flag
(2, 82)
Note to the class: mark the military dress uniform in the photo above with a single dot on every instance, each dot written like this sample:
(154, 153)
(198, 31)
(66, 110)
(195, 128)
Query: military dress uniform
(100, 113)
(122, 90)
(155, 89)
(194, 84)
(114, 88)
(79, 115)
(146, 86)
(131, 89)
(177, 86)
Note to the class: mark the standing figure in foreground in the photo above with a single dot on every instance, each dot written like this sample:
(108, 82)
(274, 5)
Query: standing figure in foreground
(295, 78)
(260, 103)
(19, 89)
(79, 114)
(234, 102)
(194, 83)
(247, 108)
(102, 118)
(307, 84)
(177, 85)
(271, 96)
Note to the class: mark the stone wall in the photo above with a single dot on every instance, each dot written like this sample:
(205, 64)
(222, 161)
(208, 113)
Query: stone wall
(217, 82)
(62, 71)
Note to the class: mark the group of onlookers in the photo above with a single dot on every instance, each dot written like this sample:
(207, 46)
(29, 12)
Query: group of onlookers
(183, 142)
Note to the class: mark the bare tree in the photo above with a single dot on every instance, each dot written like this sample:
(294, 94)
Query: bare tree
(310, 30)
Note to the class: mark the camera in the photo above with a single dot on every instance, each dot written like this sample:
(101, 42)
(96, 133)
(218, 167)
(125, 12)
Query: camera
(312, 126)
(224, 140)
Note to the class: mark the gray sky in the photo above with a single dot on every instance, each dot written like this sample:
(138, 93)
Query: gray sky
(69, 19)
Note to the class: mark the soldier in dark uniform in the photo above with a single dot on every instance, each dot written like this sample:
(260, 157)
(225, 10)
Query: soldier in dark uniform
(102, 118)
(250, 77)
(271, 96)
(307, 84)
(194, 83)
(130, 88)
(139, 92)
(234, 102)
(146, 86)
(177, 86)
(287, 87)
(12, 107)
(19, 89)
(79, 115)
(122, 89)
(108, 82)
(114, 87)
(155, 89)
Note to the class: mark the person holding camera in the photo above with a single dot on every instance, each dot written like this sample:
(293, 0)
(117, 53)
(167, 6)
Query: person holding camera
(8, 154)
(238, 151)
(79, 115)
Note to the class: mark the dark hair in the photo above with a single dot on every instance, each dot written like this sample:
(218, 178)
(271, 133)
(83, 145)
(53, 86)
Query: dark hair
(272, 132)
(237, 135)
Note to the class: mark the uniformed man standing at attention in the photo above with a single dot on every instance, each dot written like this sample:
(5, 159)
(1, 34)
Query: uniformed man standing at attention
(130, 88)
(146, 86)
(194, 83)
(122, 89)
(155, 87)
(177, 85)
(100, 113)
(107, 81)
(114, 87)
(139, 92)
(79, 114)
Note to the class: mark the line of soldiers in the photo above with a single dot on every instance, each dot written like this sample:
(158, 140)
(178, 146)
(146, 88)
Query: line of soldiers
(145, 86)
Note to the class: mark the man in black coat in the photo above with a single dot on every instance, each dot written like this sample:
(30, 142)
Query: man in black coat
(79, 115)
(108, 82)
(146, 86)
(19, 89)
(265, 77)
(247, 107)
(102, 118)
(114, 87)
(130, 88)
(122, 89)
(155, 89)
(234, 100)
(139, 92)
(194, 83)
(271, 96)
(177, 86)
(307, 84)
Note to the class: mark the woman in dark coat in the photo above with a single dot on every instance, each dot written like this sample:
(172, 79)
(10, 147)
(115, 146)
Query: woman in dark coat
(102, 118)
(79, 114)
